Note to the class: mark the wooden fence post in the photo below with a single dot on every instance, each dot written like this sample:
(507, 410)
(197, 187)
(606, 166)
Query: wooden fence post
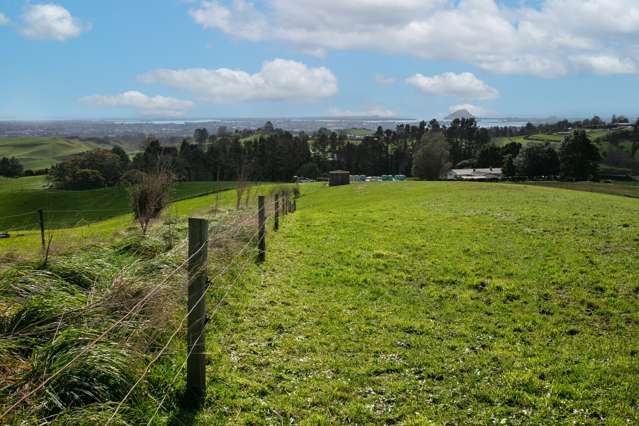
(285, 204)
(261, 222)
(198, 278)
(41, 217)
(276, 217)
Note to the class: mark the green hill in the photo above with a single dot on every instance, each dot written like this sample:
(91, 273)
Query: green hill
(22, 197)
(36, 153)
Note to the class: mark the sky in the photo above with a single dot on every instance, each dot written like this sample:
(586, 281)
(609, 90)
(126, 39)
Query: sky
(153, 59)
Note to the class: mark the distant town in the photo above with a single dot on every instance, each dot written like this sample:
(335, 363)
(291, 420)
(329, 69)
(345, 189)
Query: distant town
(185, 128)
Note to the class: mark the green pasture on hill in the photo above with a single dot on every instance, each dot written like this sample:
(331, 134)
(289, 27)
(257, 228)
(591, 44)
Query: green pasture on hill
(36, 153)
(624, 189)
(434, 303)
(24, 196)
(76, 225)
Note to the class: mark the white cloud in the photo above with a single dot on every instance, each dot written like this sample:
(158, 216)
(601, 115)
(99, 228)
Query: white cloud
(384, 80)
(157, 106)
(3, 19)
(278, 80)
(602, 64)
(50, 22)
(463, 86)
(518, 39)
(372, 111)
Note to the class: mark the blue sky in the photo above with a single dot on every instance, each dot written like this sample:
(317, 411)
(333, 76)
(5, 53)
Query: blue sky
(275, 58)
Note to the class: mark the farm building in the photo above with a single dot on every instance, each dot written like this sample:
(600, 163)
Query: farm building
(475, 174)
(339, 177)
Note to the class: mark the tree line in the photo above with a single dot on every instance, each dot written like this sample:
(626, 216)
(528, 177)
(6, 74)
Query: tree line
(424, 150)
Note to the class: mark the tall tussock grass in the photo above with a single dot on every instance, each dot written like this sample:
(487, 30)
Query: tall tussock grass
(50, 315)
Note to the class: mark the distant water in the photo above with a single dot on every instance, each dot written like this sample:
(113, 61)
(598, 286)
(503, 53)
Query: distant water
(185, 128)
(331, 122)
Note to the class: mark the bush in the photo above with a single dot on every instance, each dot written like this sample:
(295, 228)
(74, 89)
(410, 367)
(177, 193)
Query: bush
(10, 167)
(107, 165)
(132, 177)
(150, 197)
(86, 179)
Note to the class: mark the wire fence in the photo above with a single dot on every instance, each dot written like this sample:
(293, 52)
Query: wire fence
(227, 227)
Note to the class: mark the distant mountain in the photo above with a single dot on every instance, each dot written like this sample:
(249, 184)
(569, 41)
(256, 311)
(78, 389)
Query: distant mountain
(459, 114)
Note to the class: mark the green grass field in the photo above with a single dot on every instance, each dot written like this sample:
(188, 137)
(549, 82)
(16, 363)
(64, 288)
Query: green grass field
(73, 229)
(36, 153)
(24, 196)
(624, 189)
(434, 303)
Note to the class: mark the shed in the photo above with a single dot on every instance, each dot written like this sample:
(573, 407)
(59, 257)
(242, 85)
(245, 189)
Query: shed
(339, 177)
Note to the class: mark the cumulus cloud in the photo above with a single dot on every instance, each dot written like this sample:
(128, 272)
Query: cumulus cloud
(384, 80)
(463, 86)
(156, 106)
(50, 22)
(519, 39)
(377, 111)
(278, 80)
(3, 19)
(602, 64)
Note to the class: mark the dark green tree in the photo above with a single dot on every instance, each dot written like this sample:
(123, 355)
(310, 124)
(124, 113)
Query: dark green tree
(124, 157)
(10, 167)
(537, 160)
(431, 161)
(309, 170)
(201, 136)
(509, 169)
(579, 157)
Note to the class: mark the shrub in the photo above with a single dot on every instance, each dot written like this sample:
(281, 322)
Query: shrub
(150, 197)
(86, 179)
(132, 177)
(107, 165)
(10, 167)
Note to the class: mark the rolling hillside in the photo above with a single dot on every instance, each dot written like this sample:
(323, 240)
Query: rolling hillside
(36, 153)
(69, 208)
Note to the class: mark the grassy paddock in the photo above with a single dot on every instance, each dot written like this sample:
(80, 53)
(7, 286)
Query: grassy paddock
(70, 208)
(624, 189)
(41, 152)
(435, 303)
(81, 231)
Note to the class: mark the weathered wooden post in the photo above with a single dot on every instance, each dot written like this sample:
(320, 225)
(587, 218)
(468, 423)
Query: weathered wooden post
(41, 217)
(285, 205)
(276, 217)
(261, 222)
(198, 278)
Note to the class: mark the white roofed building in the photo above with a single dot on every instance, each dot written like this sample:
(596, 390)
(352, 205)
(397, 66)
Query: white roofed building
(475, 174)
